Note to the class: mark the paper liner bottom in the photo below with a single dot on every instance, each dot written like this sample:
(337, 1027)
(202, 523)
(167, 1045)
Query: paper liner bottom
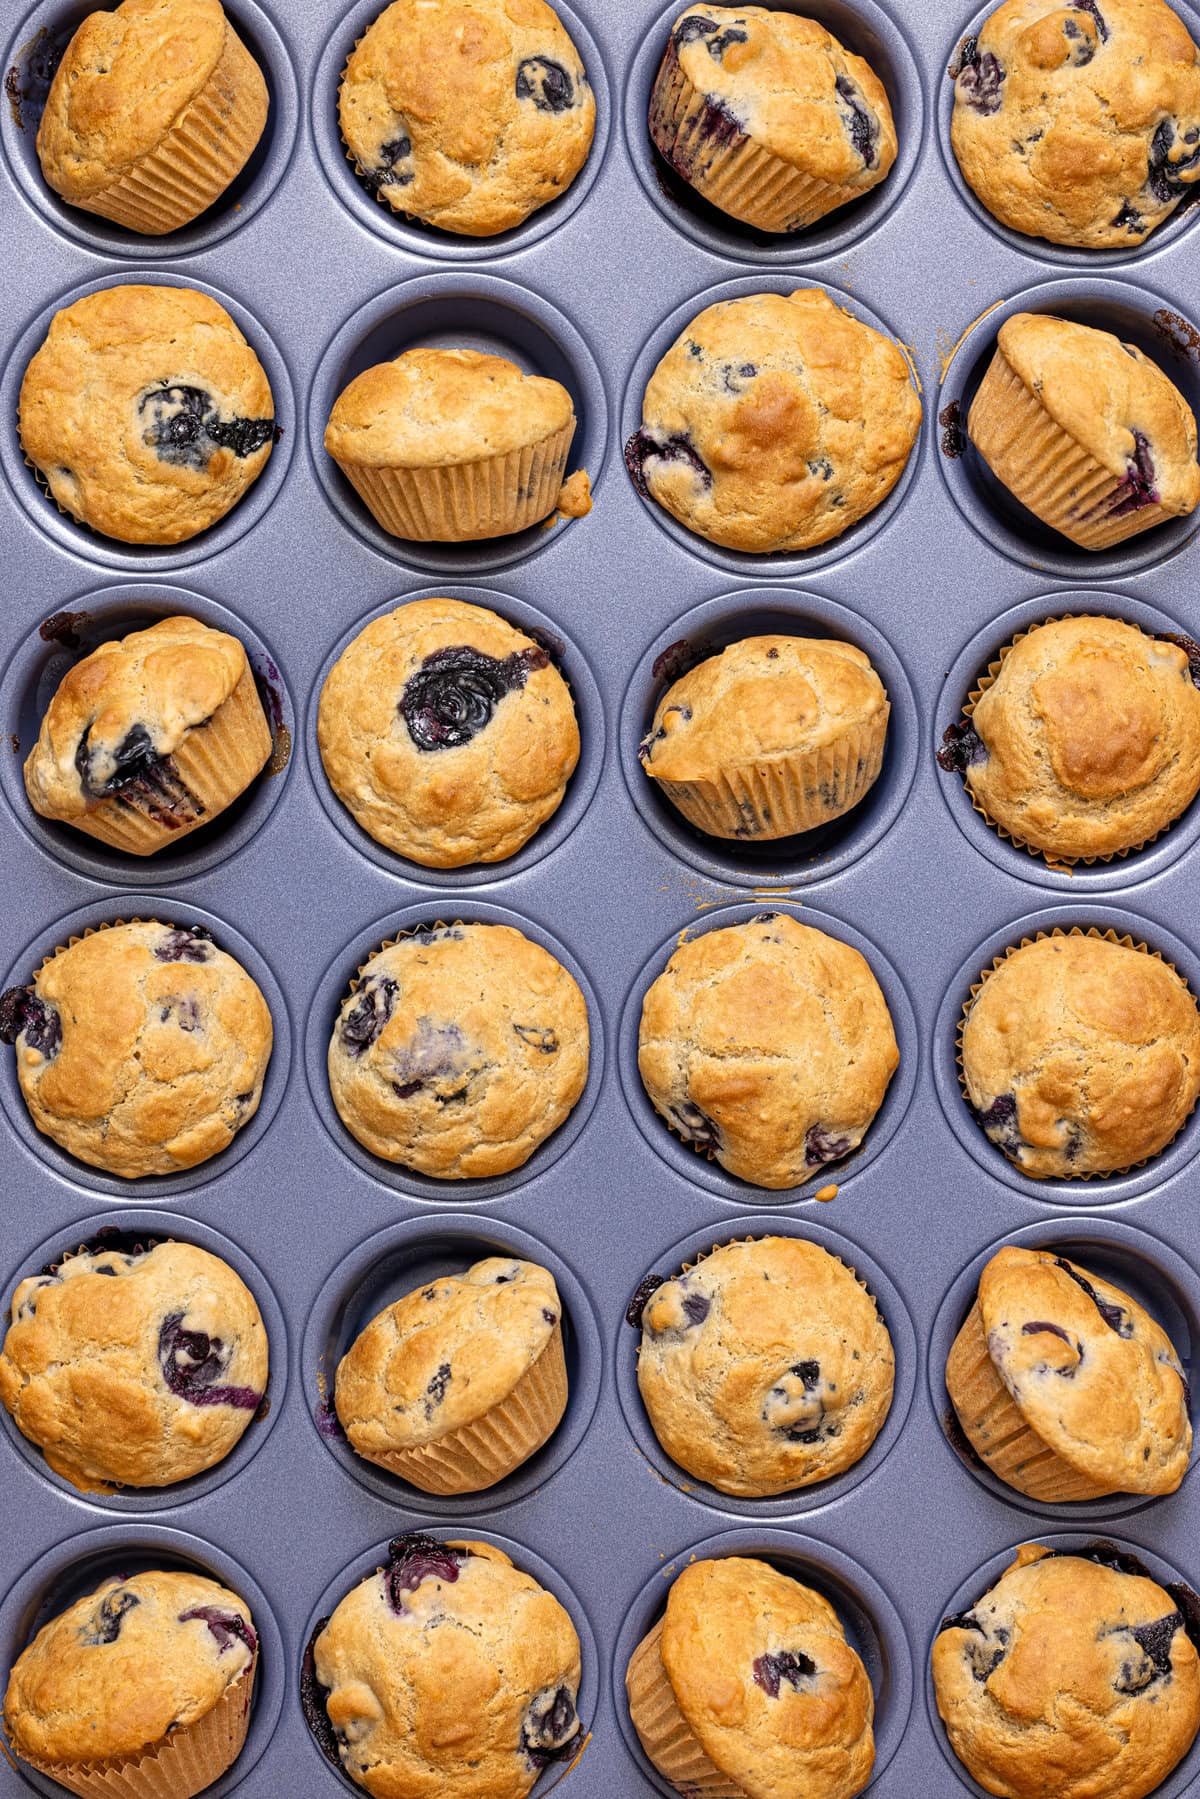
(461, 502)
(664, 1732)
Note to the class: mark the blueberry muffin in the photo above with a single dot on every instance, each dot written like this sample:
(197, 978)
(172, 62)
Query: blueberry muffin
(774, 423)
(1080, 1055)
(453, 445)
(1065, 1386)
(1079, 122)
(773, 736)
(448, 734)
(1085, 431)
(138, 1366)
(458, 1050)
(468, 115)
(142, 1688)
(746, 1688)
(150, 737)
(446, 1672)
(146, 413)
(155, 108)
(141, 1048)
(764, 1367)
(768, 117)
(460, 1381)
(1072, 1675)
(1083, 741)
(769, 1046)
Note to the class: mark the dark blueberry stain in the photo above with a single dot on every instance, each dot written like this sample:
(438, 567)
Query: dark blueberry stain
(693, 27)
(821, 1146)
(312, 1700)
(539, 1037)
(1191, 650)
(27, 83)
(226, 1627)
(954, 438)
(435, 1392)
(328, 1424)
(642, 448)
(820, 466)
(862, 126)
(1081, 48)
(696, 1128)
(790, 1665)
(1116, 1317)
(646, 746)
(1164, 176)
(696, 1308)
(1129, 217)
(185, 428)
(1155, 1641)
(679, 658)
(1035, 1330)
(192, 1363)
(141, 779)
(1137, 487)
(415, 1557)
(407, 1089)
(367, 1017)
(63, 627)
(110, 1615)
(109, 1241)
(645, 1292)
(190, 943)
(386, 173)
(546, 83)
(999, 1121)
(551, 1726)
(979, 78)
(1097, 17)
(185, 1012)
(550, 1317)
(962, 748)
(985, 1657)
(23, 1014)
(734, 379)
(452, 696)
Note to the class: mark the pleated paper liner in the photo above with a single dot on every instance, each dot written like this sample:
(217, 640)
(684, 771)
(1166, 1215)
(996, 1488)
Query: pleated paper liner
(187, 1761)
(1047, 470)
(665, 1733)
(479, 1454)
(786, 796)
(1108, 936)
(997, 1430)
(494, 496)
(204, 151)
(704, 143)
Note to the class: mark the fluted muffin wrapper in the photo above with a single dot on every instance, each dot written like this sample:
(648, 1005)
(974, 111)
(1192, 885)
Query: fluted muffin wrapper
(1046, 468)
(479, 1454)
(664, 1732)
(187, 1761)
(997, 1430)
(726, 166)
(459, 502)
(788, 794)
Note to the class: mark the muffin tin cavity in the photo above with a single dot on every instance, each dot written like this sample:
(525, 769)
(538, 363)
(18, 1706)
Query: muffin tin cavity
(453, 311)
(1136, 315)
(29, 683)
(589, 712)
(863, 27)
(744, 562)
(414, 235)
(710, 1174)
(529, 1563)
(30, 60)
(1095, 1190)
(866, 1614)
(335, 984)
(76, 1567)
(119, 1229)
(705, 632)
(122, 908)
(1149, 1271)
(891, 1309)
(34, 498)
(399, 1260)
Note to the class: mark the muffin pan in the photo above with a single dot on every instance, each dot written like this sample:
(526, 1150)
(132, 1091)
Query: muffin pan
(324, 280)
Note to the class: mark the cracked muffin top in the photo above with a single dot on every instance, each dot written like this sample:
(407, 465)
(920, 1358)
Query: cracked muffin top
(447, 1671)
(775, 422)
(765, 1366)
(468, 114)
(146, 412)
(1070, 1675)
(1079, 122)
(459, 1050)
(141, 1048)
(136, 1367)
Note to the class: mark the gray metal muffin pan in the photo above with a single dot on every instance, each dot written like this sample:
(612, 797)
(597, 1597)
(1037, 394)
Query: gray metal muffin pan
(322, 279)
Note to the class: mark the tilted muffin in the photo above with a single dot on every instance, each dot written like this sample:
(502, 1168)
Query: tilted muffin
(1080, 1055)
(470, 114)
(447, 1671)
(769, 1046)
(150, 736)
(461, 1380)
(447, 733)
(1085, 739)
(1069, 1676)
(1079, 122)
(746, 1688)
(146, 413)
(1065, 1386)
(1085, 431)
(452, 445)
(154, 109)
(141, 1048)
(773, 736)
(142, 1687)
(774, 422)
(134, 1367)
(764, 1367)
(768, 117)
(459, 1049)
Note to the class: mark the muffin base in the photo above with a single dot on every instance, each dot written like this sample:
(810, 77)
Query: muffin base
(492, 497)
(665, 1733)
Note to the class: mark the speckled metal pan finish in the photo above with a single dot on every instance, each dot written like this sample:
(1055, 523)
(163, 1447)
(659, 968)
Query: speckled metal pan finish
(324, 280)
